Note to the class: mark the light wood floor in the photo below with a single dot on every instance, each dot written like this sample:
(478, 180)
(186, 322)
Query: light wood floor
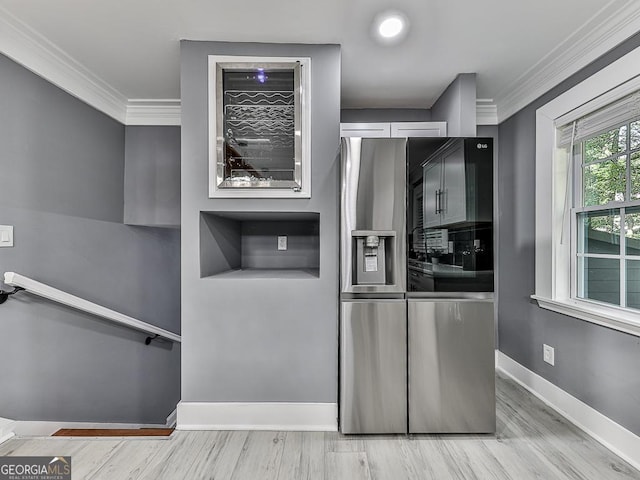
(532, 442)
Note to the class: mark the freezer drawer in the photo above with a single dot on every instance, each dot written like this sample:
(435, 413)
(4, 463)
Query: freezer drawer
(451, 366)
(373, 366)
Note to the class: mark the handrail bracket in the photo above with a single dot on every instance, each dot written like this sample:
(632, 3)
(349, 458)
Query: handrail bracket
(4, 295)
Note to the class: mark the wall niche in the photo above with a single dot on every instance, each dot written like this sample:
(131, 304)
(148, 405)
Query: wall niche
(246, 245)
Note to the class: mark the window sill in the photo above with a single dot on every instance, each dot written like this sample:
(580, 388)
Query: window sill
(600, 315)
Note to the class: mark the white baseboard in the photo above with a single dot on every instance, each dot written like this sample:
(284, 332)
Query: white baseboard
(172, 419)
(6, 429)
(616, 438)
(315, 417)
(4, 438)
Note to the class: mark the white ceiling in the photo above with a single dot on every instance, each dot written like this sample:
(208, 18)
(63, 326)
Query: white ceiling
(133, 45)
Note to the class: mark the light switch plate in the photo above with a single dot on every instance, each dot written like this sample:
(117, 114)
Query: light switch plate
(282, 242)
(549, 354)
(6, 236)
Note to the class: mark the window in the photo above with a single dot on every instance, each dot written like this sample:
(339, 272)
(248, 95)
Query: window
(587, 245)
(606, 213)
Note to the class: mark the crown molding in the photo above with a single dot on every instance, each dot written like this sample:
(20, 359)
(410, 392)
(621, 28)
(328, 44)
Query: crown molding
(33, 51)
(153, 112)
(486, 112)
(614, 23)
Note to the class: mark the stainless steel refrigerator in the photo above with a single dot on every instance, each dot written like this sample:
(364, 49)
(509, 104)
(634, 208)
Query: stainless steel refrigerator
(416, 315)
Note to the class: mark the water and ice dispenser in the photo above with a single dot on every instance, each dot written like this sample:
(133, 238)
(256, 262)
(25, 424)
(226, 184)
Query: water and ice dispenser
(373, 251)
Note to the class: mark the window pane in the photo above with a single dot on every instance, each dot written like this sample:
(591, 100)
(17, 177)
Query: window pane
(599, 232)
(606, 144)
(635, 134)
(635, 176)
(632, 230)
(605, 182)
(599, 279)
(633, 283)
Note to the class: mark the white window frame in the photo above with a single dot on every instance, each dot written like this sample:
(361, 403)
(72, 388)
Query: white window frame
(555, 258)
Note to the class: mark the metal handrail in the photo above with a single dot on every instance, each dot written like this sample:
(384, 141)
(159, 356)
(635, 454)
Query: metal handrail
(32, 286)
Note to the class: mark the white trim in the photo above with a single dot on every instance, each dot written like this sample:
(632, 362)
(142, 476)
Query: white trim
(64, 298)
(614, 23)
(313, 417)
(143, 111)
(486, 112)
(35, 52)
(172, 418)
(30, 49)
(616, 438)
(611, 317)
(6, 429)
(609, 27)
(553, 259)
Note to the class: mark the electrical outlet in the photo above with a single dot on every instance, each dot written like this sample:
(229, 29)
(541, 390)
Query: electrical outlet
(282, 242)
(548, 354)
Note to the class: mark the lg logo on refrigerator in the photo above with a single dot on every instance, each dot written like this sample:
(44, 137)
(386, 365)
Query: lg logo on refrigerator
(482, 146)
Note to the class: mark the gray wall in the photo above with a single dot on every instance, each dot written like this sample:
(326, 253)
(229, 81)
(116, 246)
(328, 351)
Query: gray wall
(257, 340)
(152, 176)
(593, 363)
(457, 106)
(61, 186)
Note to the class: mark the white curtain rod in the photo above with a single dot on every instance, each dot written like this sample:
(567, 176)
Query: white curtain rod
(53, 294)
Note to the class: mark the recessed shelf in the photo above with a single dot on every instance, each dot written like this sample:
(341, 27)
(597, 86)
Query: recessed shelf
(239, 245)
(296, 274)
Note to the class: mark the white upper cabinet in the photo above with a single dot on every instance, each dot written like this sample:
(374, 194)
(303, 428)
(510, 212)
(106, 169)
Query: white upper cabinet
(394, 129)
(259, 127)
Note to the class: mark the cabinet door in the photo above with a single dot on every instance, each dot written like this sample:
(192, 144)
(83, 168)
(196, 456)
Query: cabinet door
(418, 129)
(373, 366)
(454, 191)
(432, 195)
(451, 366)
(365, 130)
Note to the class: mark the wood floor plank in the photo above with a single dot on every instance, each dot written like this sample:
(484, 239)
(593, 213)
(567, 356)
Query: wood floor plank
(261, 456)
(336, 442)
(11, 445)
(472, 459)
(45, 447)
(130, 459)
(184, 450)
(303, 456)
(430, 458)
(347, 466)
(91, 456)
(388, 459)
(219, 458)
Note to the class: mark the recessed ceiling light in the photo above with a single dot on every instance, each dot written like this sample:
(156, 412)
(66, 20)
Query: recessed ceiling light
(390, 27)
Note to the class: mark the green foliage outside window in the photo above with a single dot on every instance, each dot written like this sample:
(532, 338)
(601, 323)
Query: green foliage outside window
(604, 174)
